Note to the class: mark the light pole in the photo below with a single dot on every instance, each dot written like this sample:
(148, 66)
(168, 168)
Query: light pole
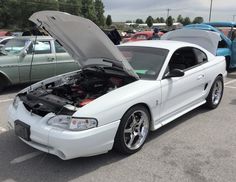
(210, 11)
(234, 17)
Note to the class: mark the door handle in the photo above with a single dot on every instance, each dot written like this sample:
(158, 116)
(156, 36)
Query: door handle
(50, 59)
(200, 77)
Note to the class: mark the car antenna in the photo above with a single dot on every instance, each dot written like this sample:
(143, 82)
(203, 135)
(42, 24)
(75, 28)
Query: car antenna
(32, 58)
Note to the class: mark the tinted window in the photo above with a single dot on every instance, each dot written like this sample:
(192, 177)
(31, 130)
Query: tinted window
(183, 59)
(201, 56)
(147, 62)
(59, 48)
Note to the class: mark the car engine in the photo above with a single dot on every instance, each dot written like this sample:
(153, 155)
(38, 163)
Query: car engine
(78, 91)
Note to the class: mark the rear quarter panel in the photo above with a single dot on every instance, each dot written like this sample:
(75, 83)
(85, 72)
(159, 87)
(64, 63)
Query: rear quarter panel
(214, 67)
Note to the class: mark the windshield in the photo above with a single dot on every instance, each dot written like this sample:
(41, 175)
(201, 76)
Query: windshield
(15, 46)
(146, 61)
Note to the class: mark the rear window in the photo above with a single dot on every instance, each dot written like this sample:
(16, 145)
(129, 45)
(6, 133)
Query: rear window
(147, 62)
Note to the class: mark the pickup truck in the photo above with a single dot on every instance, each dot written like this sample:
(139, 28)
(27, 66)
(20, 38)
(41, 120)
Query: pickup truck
(227, 45)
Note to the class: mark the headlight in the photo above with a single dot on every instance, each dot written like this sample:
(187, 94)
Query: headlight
(79, 124)
(16, 102)
(61, 121)
(75, 124)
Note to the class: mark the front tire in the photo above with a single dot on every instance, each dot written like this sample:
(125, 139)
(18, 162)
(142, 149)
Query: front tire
(133, 130)
(215, 95)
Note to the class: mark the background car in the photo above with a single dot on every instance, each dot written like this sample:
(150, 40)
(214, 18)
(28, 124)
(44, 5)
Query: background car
(4, 40)
(227, 46)
(48, 59)
(112, 102)
(139, 36)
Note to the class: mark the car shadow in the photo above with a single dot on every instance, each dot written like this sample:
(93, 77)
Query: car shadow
(47, 167)
(13, 89)
(232, 74)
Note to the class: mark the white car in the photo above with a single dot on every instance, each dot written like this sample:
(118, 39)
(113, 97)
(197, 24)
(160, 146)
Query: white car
(118, 96)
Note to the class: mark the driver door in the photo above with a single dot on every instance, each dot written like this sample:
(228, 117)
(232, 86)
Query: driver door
(181, 93)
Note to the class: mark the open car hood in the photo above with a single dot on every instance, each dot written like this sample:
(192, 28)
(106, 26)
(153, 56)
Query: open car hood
(206, 39)
(82, 39)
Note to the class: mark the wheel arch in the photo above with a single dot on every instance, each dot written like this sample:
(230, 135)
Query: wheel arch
(5, 78)
(148, 109)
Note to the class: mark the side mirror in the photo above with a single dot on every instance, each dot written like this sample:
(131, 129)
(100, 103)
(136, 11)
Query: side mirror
(23, 53)
(174, 73)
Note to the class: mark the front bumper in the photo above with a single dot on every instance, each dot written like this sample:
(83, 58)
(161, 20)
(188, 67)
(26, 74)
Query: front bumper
(64, 143)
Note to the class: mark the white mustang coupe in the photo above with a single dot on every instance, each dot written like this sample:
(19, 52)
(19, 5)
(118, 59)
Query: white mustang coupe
(120, 93)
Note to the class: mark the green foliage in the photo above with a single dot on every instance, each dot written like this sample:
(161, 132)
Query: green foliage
(149, 21)
(157, 20)
(128, 21)
(139, 21)
(15, 13)
(99, 11)
(198, 19)
(180, 19)
(169, 21)
(108, 20)
(186, 21)
(162, 20)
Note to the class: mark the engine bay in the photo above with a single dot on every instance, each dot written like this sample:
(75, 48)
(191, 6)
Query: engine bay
(67, 95)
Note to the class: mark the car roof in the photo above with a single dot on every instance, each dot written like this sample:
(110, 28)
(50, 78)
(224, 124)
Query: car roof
(223, 24)
(163, 44)
(34, 38)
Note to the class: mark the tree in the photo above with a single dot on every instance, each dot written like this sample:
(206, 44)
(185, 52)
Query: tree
(88, 10)
(162, 20)
(198, 19)
(139, 21)
(128, 21)
(149, 21)
(70, 6)
(108, 20)
(180, 19)
(186, 21)
(158, 20)
(99, 12)
(169, 21)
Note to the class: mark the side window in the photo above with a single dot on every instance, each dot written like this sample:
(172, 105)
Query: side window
(41, 47)
(201, 56)
(183, 59)
(59, 48)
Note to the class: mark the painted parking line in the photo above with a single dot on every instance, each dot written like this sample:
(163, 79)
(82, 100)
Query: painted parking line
(6, 100)
(230, 87)
(25, 157)
(229, 82)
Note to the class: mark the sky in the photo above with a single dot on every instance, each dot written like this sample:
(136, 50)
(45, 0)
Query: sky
(122, 10)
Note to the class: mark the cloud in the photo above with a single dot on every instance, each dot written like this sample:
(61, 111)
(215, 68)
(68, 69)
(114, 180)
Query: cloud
(123, 10)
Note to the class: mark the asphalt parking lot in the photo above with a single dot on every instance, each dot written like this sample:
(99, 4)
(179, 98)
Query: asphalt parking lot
(200, 146)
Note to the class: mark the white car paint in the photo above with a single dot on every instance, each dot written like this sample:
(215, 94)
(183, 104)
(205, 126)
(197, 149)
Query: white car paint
(166, 98)
(71, 30)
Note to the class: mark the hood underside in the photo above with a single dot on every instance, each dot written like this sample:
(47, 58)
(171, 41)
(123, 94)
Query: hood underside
(206, 39)
(82, 39)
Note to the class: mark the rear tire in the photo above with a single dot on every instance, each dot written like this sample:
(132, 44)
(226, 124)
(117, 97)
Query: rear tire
(133, 130)
(215, 95)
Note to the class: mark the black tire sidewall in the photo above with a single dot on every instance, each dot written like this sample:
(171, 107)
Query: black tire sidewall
(119, 144)
(209, 100)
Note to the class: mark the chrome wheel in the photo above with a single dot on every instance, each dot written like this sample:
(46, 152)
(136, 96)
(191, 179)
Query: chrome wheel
(217, 92)
(136, 130)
